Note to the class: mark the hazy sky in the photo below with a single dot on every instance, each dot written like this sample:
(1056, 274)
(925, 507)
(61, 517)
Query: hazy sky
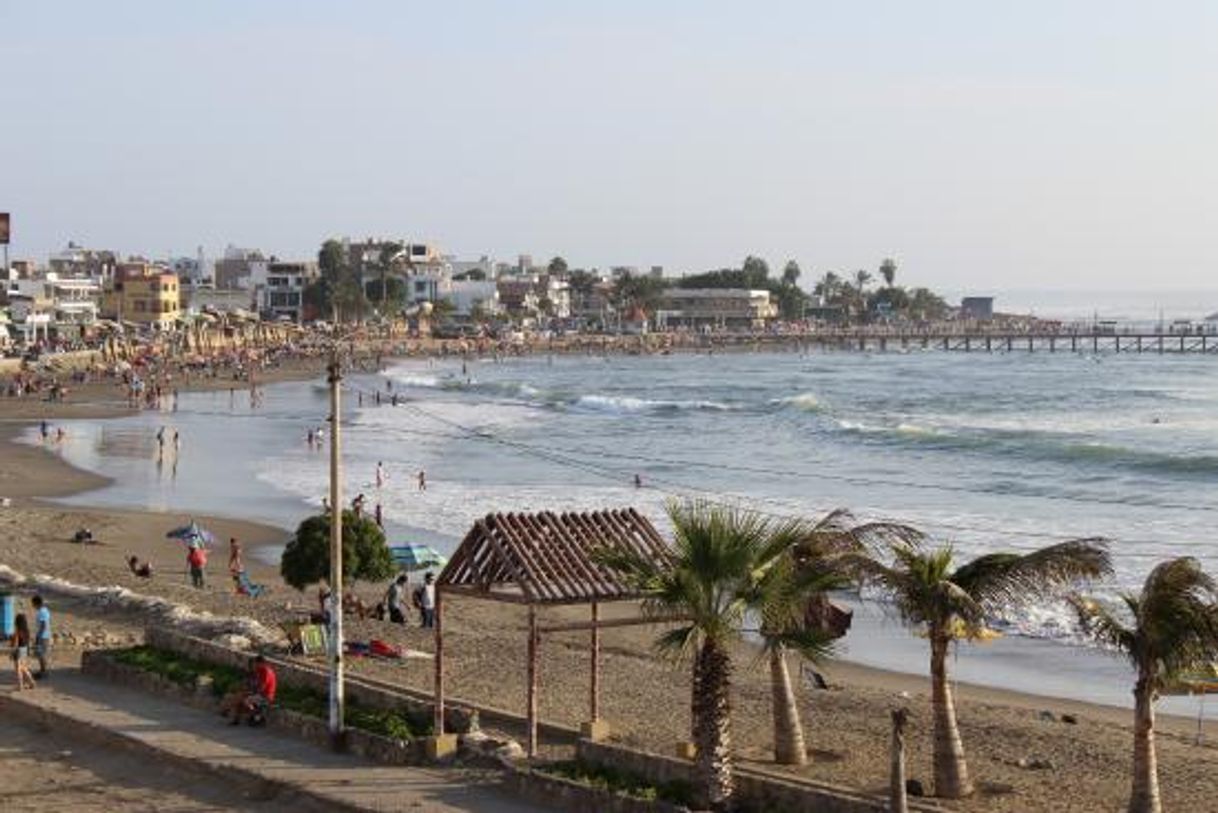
(983, 144)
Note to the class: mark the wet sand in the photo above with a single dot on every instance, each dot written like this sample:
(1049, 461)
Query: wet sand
(645, 699)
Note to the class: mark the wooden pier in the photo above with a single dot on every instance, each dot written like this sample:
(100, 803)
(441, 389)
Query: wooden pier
(997, 342)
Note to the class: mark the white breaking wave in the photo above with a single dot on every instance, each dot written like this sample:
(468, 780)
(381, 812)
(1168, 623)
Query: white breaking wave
(620, 404)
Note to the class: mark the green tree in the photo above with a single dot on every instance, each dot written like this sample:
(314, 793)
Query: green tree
(756, 272)
(829, 288)
(948, 602)
(306, 559)
(720, 568)
(390, 254)
(926, 304)
(557, 267)
(1165, 631)
(790, 273)
(332, 260)
(888, 270)
(644, 291)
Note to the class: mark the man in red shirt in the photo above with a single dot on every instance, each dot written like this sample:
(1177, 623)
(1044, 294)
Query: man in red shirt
(258, 697)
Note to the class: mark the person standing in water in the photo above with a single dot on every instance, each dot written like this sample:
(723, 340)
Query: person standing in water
(422, 480)
(380, 474)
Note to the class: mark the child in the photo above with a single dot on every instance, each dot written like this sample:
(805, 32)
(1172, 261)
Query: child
(20, 642)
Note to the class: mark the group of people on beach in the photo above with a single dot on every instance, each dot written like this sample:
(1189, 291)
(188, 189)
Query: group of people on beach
(23, 642)
(422, 598)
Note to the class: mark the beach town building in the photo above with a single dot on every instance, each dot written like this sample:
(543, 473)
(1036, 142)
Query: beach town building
(980, 308)
(518, 296)
(144, 294)
(725, 308)
(237, 265)
(278, 289)
(78, 261)
(484, 267)
(48, 303)
(474, 296)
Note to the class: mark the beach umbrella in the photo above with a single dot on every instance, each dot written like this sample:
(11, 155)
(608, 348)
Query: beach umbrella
(192, 534)
(417, 557)
(1199, 683)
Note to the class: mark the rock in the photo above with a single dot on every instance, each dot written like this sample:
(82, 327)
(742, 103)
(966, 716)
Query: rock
(1069, 719)
(510, 751)
(1047, 717)
(914, 787)
(1033, 763)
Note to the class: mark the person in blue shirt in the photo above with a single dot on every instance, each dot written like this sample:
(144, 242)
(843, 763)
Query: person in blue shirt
(42, 638)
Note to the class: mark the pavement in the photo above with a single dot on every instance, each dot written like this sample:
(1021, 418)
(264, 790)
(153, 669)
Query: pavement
(269, 765)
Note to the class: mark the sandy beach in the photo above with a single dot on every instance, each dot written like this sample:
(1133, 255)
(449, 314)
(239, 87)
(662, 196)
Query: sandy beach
(645, 699)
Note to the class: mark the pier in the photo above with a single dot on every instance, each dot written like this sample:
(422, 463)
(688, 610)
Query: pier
(1089, 342)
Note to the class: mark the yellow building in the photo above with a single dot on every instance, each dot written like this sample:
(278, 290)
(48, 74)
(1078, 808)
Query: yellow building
(144, 294)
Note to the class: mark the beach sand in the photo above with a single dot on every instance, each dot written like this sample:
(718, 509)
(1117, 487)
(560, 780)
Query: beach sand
(646, 699)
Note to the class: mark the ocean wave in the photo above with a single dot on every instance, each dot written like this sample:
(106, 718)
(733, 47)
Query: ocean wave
(1035, 445)
(804, 401)
(621, 404)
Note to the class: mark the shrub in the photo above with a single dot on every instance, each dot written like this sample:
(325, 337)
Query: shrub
(306, 559)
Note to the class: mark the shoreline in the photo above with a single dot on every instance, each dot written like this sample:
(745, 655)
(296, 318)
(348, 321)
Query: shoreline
(61, 479)
(846, 727)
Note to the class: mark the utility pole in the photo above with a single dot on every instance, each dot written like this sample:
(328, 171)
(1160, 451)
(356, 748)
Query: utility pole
(336, 560)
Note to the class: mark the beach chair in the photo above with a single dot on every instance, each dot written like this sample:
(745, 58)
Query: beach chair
(314, 639)
(245, 587)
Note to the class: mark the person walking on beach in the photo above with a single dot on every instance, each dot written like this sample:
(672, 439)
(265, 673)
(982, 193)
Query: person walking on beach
(427, 601)
(45, 429)
(393, 599)
(379, 517)
(422, 480)
(196, 560)
(42, 637)
(19, 643)
(160, 442)
(177, 442)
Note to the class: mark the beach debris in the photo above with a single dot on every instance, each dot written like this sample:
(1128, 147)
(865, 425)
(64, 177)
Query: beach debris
(1070, 719)
(1034, 763)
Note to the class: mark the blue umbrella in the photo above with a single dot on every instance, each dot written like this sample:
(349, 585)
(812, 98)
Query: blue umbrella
(417, 557)
(193, 534)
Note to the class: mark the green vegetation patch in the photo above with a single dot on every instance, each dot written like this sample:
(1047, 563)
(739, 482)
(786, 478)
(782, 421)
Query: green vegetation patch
(599, 777)
(397, 725)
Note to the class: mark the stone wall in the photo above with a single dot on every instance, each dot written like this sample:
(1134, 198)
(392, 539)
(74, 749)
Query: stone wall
(564, 794)
(459, 715)
(99, 664)
(756, 790)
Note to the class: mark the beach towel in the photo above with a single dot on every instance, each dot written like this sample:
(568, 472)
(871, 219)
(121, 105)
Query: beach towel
(246, 587)
(381, 649)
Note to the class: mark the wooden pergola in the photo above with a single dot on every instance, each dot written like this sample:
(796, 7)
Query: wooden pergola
(540, 560)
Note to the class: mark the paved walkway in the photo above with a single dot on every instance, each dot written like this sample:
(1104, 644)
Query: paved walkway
(284, 766)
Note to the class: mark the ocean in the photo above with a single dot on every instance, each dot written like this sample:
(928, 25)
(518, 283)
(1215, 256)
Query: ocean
(985, 452)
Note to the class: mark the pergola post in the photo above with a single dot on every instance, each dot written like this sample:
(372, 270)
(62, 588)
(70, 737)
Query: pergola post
(440, 745)
(438, 723)
(532, 689)
(594, 693)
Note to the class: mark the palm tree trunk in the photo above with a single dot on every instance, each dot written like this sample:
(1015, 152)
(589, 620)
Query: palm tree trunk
(789, 748)
(1145, 795)
(951, 771)
(713, 780)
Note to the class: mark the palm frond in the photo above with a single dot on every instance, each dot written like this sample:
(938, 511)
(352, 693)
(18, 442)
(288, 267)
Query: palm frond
(1178, 618)
(1102, 625)
(999, 580)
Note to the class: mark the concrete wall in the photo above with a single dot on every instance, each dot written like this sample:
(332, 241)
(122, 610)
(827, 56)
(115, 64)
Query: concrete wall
(756, 790)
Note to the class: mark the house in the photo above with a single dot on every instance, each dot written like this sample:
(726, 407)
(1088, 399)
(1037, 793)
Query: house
(518, 296)
(232, 271)
(980, 308)
(468, 296)
(278, 289)
(738, 308)
(143, 293)
(77, 261)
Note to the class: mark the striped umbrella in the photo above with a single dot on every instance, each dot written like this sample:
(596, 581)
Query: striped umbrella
(417, 557)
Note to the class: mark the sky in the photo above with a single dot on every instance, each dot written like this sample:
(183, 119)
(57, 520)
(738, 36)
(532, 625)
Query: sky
(983, 145)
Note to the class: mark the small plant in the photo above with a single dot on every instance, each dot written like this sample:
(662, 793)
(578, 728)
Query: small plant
(394, 724)
(621, 782)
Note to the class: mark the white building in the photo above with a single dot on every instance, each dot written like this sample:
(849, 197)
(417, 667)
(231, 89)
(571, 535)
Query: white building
(279, 289)
(470, 295)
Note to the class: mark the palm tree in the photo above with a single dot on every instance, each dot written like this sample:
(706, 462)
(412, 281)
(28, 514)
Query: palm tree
(862, 278)
(1168, 629)
(949, 602)
(888, 270)
(793, 606)
(720, 569)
